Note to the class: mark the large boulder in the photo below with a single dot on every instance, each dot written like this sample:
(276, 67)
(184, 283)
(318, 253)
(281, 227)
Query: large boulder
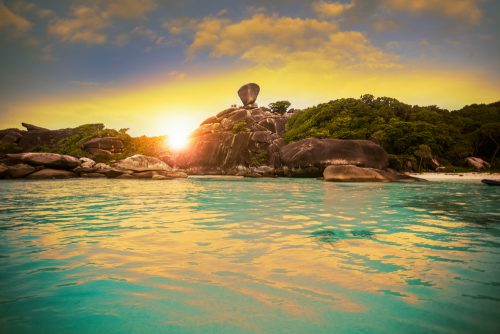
(31, 127)
(234, 137)
(4, 169)
(351, 173)
(104, 146)
(141, 163)
(248, 93)
(477, 163)
(48, 173)
(21, 170)
(47, 159)
(309, 157)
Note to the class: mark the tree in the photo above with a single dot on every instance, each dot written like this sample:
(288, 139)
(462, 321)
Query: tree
(423, 152)
(279, 107)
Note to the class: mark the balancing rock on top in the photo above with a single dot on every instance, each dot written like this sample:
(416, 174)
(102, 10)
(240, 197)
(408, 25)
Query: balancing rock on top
(248, 93)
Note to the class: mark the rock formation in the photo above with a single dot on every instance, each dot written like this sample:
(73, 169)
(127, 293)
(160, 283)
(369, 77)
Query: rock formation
(105, 146)
(235, 137)
(309, 157)
(248, 93)
(477, 163)
(351, 173)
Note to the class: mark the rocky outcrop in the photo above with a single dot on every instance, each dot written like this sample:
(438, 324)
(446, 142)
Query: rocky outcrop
(46, 159)
(309, 157)
(38, 136)
(11, 136)
(477, 163)
(4, 169)
(248, 93)
(234, 137)
(141, 163)
(351, 173)
(105, 146)
(48, 173)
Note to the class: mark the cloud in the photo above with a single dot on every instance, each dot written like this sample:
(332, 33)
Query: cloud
(180, 25)
(331, 9)
(275, 41)
(85, 25)
(14, 23)
(466, 10)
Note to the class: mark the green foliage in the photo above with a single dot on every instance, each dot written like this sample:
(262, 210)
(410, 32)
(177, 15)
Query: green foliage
(240, 126)
(260, 158)
(9, 148)
(401, 128)
(279, 107)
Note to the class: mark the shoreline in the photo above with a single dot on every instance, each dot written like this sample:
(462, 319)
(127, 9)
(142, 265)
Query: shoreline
(467, 176)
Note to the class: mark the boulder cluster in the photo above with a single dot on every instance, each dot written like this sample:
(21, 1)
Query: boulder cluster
(33, 165)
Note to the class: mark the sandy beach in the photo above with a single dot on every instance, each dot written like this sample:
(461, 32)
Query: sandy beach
(469, 177)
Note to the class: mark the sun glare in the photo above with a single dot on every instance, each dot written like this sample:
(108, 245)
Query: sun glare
(178, 132)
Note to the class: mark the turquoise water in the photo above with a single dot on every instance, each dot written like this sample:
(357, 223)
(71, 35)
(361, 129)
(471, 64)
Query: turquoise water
(248, 256)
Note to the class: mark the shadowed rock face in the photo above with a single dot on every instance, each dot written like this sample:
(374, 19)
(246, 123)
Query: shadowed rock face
(235, 137)
(46, 159)
(104, 146)
(248, 93)
(351, 173)
(309, 157)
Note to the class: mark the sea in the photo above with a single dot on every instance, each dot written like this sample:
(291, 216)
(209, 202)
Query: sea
(276, 255)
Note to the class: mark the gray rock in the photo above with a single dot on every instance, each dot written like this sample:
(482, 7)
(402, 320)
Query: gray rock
(87, 163)
(309, 157)
(48, 173)
(141, 163)
(47, 159)
(248, 93)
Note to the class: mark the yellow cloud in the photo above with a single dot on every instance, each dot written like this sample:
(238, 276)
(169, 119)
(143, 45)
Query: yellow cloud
(85, 25)
(11, 20)
(274, 41)
(466, 10)
(331, 9)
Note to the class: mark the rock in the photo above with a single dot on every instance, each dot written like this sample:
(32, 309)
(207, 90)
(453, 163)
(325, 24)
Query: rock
(108, 170)
(43, 137)
(10, 136)
(477, 163)
(141, 163)
(235, 138)
(93, 175)
(87, 163)
(435, 163)
(3, 170)
(104, 146)
(20, 170)
(441, 169)
(309, 157)
(160, 177)
(172, 174)
(125, 176)
(31, 127)
(248, 93)
(47, 159)
(351, 173)
(144, 175)
(48, 173)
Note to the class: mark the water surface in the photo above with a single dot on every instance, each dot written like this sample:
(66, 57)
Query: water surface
(248, 256)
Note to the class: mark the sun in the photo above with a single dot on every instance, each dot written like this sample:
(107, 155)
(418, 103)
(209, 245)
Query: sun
(178, 133)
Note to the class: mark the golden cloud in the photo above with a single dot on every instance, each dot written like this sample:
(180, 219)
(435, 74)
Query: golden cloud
(272, 40)
(466, 10)
(10, 20)
(86, 26)
(331, 9)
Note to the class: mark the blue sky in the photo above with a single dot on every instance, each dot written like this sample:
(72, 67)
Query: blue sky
(141, 64)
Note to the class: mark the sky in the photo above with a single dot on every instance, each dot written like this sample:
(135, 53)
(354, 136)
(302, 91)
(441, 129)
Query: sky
(153, 65)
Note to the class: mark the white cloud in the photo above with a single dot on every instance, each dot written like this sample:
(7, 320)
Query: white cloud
(331, 9)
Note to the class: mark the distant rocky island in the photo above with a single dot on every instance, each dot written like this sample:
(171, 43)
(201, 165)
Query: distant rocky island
(342, 140)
